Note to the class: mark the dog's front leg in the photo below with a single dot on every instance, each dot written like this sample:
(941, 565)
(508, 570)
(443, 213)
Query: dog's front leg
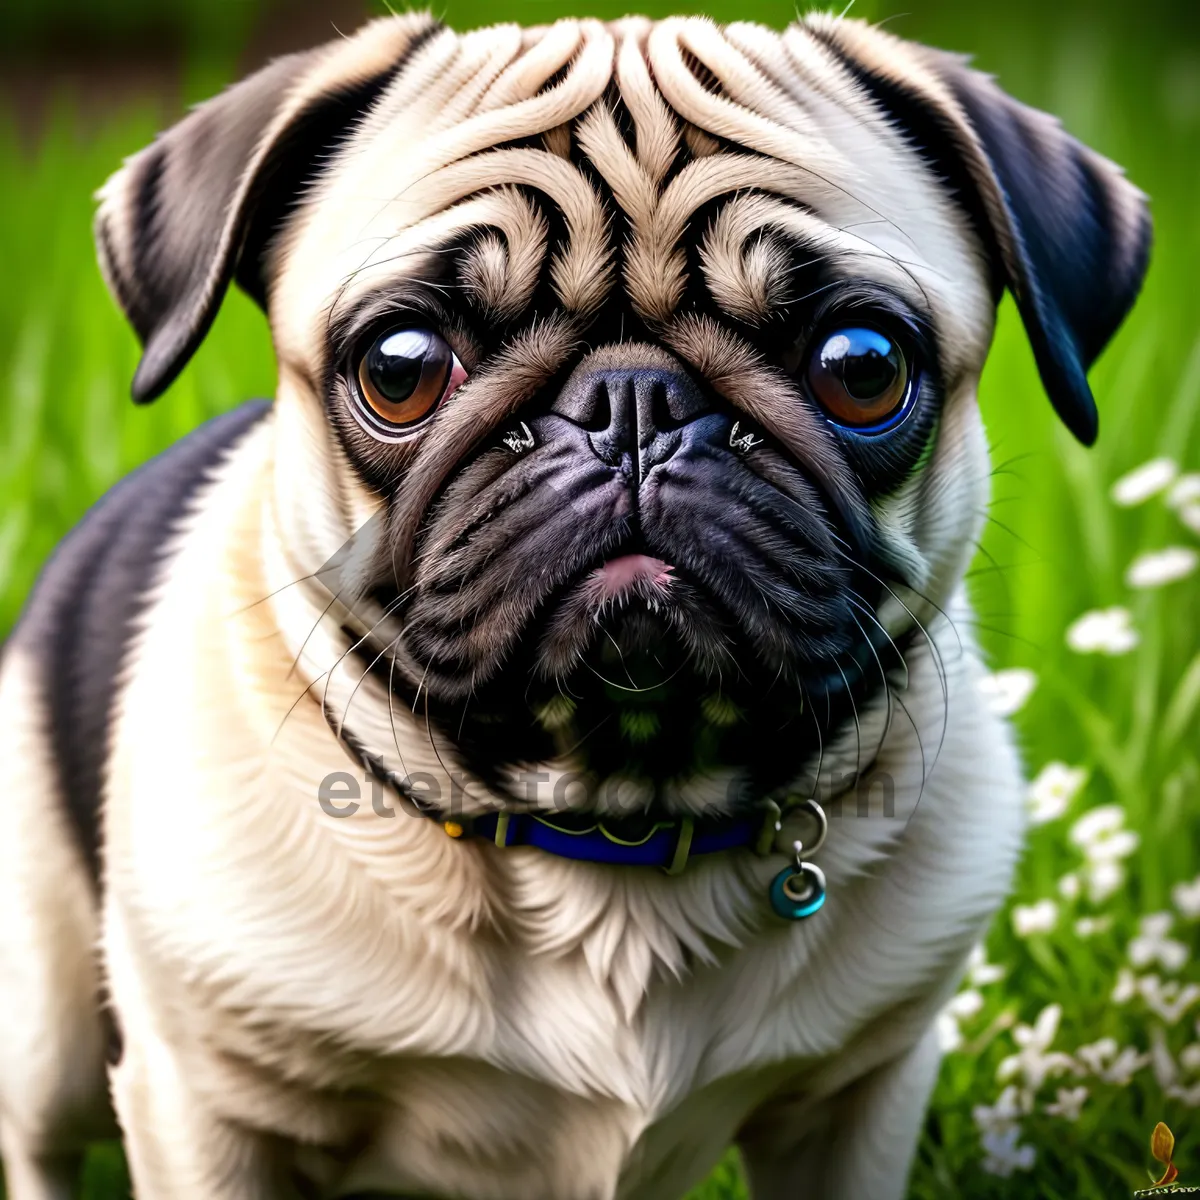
(863, 1146)
(178, 1143)
(178, 1148)
(30, 1175)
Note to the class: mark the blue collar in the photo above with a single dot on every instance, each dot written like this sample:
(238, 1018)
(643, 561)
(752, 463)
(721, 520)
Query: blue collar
(668, 843)
(796, 892)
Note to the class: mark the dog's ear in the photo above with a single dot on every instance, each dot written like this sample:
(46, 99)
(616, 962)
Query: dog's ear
(200, 206)
(1069, 234)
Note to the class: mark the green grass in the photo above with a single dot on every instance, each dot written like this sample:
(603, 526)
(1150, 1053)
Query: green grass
(1056, 547)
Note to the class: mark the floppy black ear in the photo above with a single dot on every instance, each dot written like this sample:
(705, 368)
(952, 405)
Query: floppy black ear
(1069, 234)
(201, 204)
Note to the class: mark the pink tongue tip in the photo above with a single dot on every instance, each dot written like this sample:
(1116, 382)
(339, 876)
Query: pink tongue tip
(621, 574)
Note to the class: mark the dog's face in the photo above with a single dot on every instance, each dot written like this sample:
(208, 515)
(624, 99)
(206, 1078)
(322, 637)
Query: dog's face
(651, 350)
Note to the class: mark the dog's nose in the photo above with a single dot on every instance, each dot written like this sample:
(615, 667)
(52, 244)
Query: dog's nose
(634, 413)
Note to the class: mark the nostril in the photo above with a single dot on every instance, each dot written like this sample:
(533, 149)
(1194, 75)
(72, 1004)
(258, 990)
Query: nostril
(668, 402)
(598, 415)
(661, 416)
(587, 402)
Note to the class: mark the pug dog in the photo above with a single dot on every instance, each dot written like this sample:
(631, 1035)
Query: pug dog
(543, 747)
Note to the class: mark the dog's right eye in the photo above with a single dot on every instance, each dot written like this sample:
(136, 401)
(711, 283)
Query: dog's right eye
(403, 377)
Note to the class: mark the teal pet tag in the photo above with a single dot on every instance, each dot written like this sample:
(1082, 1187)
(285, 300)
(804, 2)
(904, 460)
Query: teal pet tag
(798, 891)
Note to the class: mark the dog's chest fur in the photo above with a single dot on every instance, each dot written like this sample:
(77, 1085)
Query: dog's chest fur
(438, 1015)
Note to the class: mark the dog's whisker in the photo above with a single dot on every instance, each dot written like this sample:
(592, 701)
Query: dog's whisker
(921, 749)
(1012, 533)
(391, 695)
(441, 762)
(350, 649)
(884, 683)
(420, 685)
(293, 706)
(934, 649)
(865, 609)
(308, 636)
(857, 726)
(237, 612)
(341, 725)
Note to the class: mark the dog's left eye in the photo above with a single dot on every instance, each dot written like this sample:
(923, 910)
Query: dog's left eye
(403, 377)
(860, 376)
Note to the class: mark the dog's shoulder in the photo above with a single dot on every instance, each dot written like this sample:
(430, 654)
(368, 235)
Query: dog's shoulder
(84, 609)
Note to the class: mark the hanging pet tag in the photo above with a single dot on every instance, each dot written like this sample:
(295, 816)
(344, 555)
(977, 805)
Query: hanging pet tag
(798, 891)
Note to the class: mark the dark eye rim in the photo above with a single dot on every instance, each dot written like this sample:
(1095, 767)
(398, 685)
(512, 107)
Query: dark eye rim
(361, 408)
(907, 340)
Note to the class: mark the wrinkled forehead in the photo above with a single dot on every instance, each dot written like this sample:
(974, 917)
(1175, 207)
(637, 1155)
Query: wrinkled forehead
(615, 163)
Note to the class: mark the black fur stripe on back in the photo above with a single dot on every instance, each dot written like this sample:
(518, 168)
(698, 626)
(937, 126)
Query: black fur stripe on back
(80, 617)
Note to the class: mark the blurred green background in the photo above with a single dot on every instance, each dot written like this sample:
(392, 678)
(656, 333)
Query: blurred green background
(84, 82)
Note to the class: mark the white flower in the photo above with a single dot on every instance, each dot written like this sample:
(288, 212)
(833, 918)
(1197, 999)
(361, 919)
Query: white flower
(1160, 567)
(1170, 1000)
(1068, 1103)
(1125, 1066)
(1004, 1155)
(1110, 1062)
(1005, 1114)
(1187, 898)
(1069, 886)
(961, 1007)
(1189, 1058)
(1034, 918)
(1104, 879)
(1051, 793)
(965, 1005)
(1143, 482)
(1103, 631)
(1090, 926)
(1189, 1096)
(1096, 1056)
(1189, 514)
(1166, 999)
(1185, 491)
(1101, 835)
(1152, 944)
(949, 1035)
(980, 972)
(1034, 1061)
(1007, 691)
(1118, 845)
(1126, 986)
(1097, 823)
(1165, 1071)
(1041, 1033)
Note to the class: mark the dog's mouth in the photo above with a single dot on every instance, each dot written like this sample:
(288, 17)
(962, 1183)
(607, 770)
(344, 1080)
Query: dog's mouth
(631, 671)
(640, 676)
